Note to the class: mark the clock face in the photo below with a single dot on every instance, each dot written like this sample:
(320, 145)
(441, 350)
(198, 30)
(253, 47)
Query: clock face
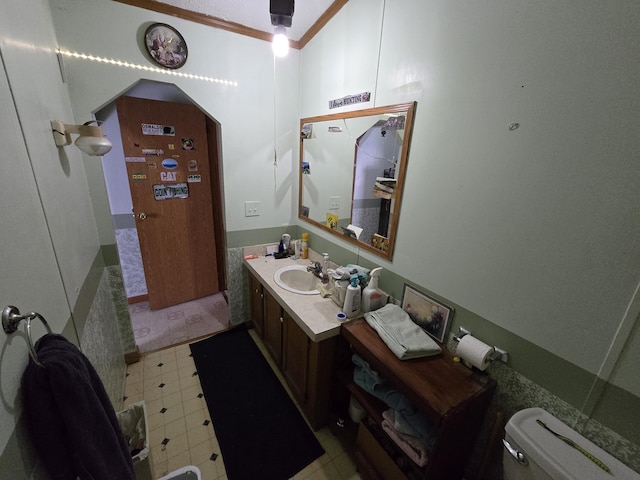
(165, 45)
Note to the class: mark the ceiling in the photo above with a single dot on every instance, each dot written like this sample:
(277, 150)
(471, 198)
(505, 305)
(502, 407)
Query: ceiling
(252, 14)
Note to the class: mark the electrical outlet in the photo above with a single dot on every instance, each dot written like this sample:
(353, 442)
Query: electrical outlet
(251, 209)
(334, 203)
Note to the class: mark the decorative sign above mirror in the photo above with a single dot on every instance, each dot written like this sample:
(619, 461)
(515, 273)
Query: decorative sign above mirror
(352, 169)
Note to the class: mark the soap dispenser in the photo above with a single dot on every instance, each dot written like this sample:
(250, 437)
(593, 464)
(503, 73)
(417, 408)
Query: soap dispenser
(352, 298)
(372, 297)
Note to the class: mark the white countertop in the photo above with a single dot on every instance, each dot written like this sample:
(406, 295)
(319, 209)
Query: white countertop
(314, 314)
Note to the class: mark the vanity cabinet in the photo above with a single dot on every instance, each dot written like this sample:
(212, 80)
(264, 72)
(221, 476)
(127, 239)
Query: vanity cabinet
(256, 302)
(306, 365)
(295, 358)
(452, 397)
(273, 321)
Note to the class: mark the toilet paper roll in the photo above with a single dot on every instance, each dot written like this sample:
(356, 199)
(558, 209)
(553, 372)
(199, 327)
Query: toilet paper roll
(474, 352)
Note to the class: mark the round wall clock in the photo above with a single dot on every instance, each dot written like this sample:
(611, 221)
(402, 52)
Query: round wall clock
(165, 45)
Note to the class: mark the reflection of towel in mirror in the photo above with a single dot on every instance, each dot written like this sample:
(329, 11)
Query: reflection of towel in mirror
(403, 337)
(72, 423)
(412, 446)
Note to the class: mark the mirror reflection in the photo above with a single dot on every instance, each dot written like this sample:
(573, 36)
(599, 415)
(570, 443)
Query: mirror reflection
(352, 170)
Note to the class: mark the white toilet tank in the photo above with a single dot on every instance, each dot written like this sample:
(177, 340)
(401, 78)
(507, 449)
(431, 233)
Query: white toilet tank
(543, 456)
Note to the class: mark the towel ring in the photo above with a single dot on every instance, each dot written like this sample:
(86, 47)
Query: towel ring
(11, 318)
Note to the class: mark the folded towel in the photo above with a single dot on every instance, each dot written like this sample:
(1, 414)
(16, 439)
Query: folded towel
(412, 446)
(403, 337)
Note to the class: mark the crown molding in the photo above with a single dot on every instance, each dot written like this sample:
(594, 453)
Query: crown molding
(240, 29)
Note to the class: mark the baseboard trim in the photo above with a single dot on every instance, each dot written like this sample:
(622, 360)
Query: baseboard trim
(132, 357)
(138, 299)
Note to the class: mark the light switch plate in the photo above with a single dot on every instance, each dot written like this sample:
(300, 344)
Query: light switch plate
(334, 203)
(251, 209)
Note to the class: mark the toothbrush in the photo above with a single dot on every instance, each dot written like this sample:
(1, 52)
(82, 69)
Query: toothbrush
(573, 444)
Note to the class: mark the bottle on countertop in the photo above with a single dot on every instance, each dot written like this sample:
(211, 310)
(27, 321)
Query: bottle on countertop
(353, 298)
(296, 249)
(304, 250)
(372, 297)
(325, 268)
(286, 241)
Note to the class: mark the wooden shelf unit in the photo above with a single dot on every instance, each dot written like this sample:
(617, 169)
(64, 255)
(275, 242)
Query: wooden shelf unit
(454, 398)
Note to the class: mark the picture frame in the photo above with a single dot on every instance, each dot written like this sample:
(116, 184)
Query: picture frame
(380, 242)
(332, 221)
(433, 316)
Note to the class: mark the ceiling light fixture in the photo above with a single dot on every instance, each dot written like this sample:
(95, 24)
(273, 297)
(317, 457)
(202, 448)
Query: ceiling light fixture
(280, 43)
(281, 18)
(91, 138)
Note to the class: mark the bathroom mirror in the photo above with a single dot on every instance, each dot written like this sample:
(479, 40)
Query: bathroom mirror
(352, 169)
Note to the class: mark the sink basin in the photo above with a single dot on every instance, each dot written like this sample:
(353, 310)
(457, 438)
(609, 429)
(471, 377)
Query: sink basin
(296, 279)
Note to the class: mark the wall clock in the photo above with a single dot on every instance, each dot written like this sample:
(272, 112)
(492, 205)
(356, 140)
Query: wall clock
(165, 45)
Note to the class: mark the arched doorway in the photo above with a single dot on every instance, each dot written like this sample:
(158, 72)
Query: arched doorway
(171, 324)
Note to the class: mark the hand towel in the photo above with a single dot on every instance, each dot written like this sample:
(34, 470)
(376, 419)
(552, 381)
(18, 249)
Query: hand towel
(72, 423)
(412, 446)
(403, 337)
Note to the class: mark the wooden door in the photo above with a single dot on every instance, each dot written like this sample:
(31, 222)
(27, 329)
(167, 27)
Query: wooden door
(167, 159)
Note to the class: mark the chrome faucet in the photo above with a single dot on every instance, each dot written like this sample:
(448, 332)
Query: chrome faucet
(315, 268)
(320, 270)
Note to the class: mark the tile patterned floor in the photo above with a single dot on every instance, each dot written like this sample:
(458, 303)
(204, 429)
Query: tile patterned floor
(180, 428)
(157, 329)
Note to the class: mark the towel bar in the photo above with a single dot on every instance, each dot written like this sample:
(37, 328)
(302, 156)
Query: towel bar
(11, 318)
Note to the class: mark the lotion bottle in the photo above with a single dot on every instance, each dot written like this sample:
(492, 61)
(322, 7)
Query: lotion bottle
(372, 297)
(352, 298)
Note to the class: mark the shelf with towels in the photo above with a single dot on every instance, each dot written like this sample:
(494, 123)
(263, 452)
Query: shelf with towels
(452, 397)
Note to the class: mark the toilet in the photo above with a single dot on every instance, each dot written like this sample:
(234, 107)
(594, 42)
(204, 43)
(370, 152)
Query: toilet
(532, 452)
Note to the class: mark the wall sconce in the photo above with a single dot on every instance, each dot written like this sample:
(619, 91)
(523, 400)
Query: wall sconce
(91, 138)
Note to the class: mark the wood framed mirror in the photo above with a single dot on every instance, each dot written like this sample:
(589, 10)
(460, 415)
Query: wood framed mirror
(352, 172)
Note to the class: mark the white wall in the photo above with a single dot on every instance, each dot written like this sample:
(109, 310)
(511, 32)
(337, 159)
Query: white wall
(245, 111)
(48, 237)
(534, 229)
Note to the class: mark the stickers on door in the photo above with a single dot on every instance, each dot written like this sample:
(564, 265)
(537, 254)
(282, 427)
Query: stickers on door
(168, 176)
(161, 130)
(169, 163)
(171, 191)
(152, 152)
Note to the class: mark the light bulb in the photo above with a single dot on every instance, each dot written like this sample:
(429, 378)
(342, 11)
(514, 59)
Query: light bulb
(280, 43)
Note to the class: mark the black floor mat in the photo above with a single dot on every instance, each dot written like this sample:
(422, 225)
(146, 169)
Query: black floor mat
(261, 432)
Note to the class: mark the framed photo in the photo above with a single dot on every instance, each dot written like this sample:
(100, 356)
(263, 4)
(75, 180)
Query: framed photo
(332, 221)
(380, 242)
(432, 316)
